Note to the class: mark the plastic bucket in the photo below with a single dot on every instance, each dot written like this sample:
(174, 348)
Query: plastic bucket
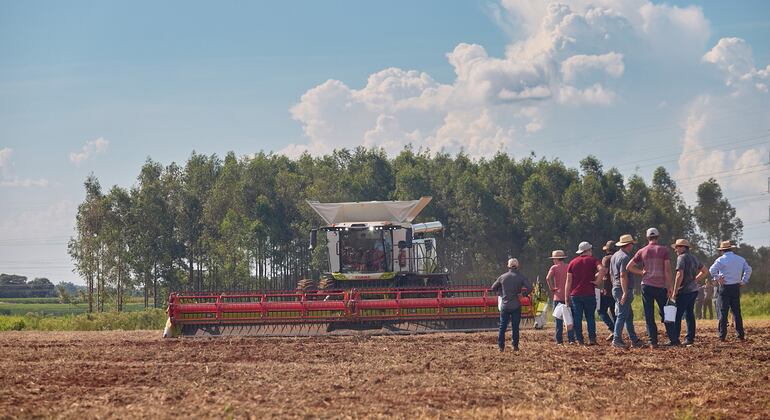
(669, 312)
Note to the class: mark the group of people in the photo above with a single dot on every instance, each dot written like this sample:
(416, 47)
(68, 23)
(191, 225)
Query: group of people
(612, 278)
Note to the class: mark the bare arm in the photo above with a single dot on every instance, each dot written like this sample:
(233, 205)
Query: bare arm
(625, 284)
(702, 273)
(634, 269)
(548, 278)
(667, 273)
(677, 282)
(601, 271)
(567, 288)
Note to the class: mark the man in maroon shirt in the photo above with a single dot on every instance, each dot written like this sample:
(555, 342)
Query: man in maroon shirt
(656, 279)
(583, 274)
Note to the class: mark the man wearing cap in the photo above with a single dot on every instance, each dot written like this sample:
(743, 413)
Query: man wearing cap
(606, 301)
(623, 291)
(656, 278)
(731, 272)
(510, 285)
(583, 274)
(556, 279)
(689, 271)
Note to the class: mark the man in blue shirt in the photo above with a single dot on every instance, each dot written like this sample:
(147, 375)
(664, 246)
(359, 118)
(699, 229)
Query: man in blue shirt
(731, 272)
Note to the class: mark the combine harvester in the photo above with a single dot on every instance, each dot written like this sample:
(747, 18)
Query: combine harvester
(383, 278)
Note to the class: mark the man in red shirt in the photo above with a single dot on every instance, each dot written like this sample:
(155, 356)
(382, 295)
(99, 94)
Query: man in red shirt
(656, 279)
(583, 274)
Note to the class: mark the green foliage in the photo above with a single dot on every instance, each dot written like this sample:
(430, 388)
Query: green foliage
(151, 319)
(241, 223)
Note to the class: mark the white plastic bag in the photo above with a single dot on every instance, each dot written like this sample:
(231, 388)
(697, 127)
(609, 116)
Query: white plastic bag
(669, 312)
(500, 303)
(567, 314)
(558, 311)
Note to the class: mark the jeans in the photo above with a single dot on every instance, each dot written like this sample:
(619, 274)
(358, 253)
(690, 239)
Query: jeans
(584, 305)
(730, 300)
(684, 308)
(650, 295)
(560, 327)
(607, 311)
(514, 316)
(624, 316)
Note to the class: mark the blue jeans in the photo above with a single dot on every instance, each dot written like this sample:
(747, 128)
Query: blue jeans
(650, 295)
(560, 327)
(685, 304)
(514, 316)
(607, 311)
(624, 316)
(584, 305)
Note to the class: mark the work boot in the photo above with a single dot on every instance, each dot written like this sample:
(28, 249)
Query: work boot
(592, 342)
(688, 343)
(502, 348)
(638, 344)
(515, 348)
(671, 344)
(619, 345)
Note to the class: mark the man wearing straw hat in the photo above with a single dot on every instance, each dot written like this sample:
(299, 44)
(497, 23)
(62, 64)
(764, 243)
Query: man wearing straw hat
(606, 301)
(656, 278)
(731, 272)
(556, 279)
(623, 291)
(689, 271)
(583, 274)
(510, 285)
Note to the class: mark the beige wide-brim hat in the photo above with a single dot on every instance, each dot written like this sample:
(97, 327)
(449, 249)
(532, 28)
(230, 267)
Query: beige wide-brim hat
(625, 240)
(726, 245)
(608, 245)
(681, 242)
(558, 254)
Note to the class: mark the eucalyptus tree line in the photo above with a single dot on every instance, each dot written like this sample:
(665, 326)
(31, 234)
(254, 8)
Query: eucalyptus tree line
(241, 223)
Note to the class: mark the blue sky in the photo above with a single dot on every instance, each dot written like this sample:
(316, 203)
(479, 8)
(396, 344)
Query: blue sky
(98, 86)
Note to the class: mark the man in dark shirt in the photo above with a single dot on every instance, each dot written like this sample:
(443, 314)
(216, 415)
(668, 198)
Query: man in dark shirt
(606, 301)
(509, 286)
(689, 271)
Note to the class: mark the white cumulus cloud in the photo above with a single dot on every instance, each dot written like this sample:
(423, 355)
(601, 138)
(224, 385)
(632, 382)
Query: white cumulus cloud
(570, 54)
(733, 56)
(90, 149)
(8, 179)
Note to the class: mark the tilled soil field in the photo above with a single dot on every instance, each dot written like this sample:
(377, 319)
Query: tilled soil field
(137, 374)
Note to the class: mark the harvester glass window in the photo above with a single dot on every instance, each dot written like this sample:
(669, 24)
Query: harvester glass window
(366, 250)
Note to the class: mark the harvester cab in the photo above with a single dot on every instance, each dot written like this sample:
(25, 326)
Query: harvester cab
(375, 244)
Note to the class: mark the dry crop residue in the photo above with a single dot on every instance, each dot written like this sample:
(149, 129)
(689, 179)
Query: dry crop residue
(137, 374)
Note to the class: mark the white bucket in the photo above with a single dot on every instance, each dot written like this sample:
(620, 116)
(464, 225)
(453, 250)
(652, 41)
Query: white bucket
(598, 294)
(567, 314)
(669, 312)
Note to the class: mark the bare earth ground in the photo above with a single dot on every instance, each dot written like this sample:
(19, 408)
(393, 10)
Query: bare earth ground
(137, 374)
